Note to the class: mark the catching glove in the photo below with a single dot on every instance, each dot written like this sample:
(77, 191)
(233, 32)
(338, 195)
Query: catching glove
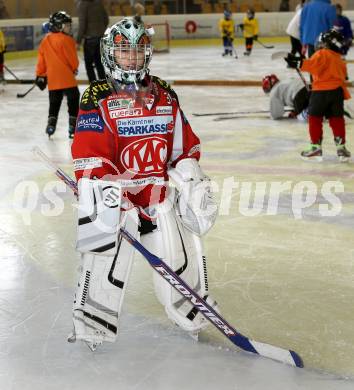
(255, 37)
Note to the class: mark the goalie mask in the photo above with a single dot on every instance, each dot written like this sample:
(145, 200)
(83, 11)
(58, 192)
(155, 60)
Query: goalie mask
(126, 51)
(268, 82)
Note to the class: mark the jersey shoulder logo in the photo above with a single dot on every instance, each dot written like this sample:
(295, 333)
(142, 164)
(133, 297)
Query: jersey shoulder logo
(165, 86)
(98, 90)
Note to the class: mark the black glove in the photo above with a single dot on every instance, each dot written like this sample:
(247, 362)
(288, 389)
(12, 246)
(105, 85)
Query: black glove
(293, 61)
(241, 26)
(255, 37)
(41, 82)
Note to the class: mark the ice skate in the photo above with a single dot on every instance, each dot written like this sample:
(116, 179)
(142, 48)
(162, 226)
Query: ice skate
(313, 153)
(343, 153)
(2, 82)
(194, 335)
(72, 124)
(247, 53)
(51, 126)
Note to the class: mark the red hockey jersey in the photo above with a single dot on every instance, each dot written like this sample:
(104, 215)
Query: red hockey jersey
(133, 139)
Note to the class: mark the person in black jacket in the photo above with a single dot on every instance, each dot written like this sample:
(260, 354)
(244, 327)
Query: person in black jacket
(93, 21)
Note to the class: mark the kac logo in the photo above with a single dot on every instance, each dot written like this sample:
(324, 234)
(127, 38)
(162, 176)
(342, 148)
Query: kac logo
(146, 156)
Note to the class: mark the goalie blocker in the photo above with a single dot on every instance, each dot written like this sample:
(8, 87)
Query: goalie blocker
(106, 259)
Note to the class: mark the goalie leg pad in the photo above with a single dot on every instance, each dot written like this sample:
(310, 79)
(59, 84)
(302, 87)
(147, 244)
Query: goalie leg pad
(182, 251)
(101, 288)
(98, 216)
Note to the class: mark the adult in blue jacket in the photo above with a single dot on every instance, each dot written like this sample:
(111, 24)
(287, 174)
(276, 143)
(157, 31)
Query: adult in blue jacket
(317, 16)
(342, 24)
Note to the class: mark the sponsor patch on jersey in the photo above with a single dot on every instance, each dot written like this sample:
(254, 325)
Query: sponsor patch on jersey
(114, 104)
(145, 156)
(160, 110)
(81, 164)
(90, 122)
(145, 126)
(126, 112)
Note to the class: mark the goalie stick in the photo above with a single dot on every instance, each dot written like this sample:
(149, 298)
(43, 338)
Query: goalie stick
(243, 342)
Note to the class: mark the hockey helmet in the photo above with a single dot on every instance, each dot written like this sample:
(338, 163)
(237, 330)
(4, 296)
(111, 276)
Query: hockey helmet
(331, 39)
(250, 13)
(126, 51)
(58, 20)
(227, 14)
(268, 82)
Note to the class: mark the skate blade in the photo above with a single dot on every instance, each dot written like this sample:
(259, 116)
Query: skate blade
(71, 338)
(194, 336)
(343, 159)
(315, 159)
(92, 345)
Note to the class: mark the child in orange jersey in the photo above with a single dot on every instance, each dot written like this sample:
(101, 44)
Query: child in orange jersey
(328, 93)
(57, 64)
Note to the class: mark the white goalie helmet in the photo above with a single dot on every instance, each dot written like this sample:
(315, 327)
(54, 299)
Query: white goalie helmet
(126, 51)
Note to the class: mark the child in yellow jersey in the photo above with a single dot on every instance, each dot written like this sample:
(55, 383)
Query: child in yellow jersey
(250, 30)
(227, 30)
(2, 51)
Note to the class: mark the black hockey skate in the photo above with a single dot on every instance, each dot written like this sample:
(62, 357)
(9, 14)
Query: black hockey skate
(72, 124)
(51, 126)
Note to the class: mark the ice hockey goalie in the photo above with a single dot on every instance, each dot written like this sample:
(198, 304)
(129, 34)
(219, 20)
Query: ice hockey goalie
(131, 136)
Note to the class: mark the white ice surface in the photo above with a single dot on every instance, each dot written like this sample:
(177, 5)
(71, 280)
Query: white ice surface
(279, 280)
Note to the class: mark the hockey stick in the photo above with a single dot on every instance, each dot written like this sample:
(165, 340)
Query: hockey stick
(303, 79)
(11, 72)
(22, 95)
(279, 54)
(234, 113)
(17, 80)
(243, 342)
(265, 46)
(284, 54)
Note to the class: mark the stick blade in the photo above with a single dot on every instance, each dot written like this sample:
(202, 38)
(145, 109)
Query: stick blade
(278, 354)
(279, 54)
